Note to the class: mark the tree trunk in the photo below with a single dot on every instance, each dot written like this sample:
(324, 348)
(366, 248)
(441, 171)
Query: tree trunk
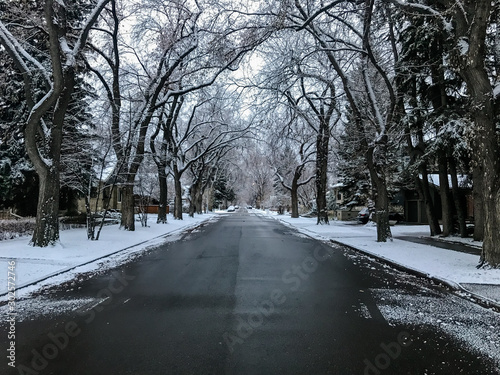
(47, 216)
(178, 194)
(210, 200)
(294, 194)
(430, 210)
(382, 212)
(90, 219)
(322, 141)
(199, 202)
(162, 207)
(128, 209)
(381, 200)
(422, 185)
(444, 192)
(458, 198)
(193, 199)
(471, 25)
(477, 194)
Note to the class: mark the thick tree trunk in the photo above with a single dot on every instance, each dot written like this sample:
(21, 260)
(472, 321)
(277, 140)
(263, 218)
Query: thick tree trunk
(163, 202)
(491, 251)
(491, 183)
(444, 191)
(47, 217)
(128, 207)
(471, 25)
(381, 200)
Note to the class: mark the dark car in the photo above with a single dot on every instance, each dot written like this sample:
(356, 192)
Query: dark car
(364, 215)
(396, 216)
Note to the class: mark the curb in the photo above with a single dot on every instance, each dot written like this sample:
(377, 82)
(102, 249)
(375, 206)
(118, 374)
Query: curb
(456, 287)
(60, 272)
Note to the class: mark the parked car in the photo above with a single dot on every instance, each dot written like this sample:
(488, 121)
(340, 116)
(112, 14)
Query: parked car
(396, 216)
(364, 215)
(230, 209)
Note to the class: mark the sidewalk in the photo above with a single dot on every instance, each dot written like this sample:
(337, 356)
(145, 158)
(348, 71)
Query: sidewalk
(453, 264)
(73, 255)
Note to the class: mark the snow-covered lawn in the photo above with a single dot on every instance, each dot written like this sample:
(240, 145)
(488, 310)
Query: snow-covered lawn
(73, 249)
(451, 266)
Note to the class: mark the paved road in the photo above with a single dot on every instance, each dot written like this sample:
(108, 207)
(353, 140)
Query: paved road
(244, 295)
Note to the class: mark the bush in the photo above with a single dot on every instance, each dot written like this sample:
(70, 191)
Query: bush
(10, 229)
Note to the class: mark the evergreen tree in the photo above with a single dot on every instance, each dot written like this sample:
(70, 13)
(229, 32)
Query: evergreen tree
(37, 37)
(435, 118)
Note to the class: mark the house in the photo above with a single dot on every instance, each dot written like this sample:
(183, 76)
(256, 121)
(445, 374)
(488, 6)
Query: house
(102, 196)
(414, 205)
(342, 210)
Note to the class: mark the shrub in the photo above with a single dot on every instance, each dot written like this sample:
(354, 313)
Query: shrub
(10, 229)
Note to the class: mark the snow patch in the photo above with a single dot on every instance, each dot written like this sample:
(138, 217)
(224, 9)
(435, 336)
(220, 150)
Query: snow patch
(463, 46)
(452, 316)
(31, 309)
(496, 90)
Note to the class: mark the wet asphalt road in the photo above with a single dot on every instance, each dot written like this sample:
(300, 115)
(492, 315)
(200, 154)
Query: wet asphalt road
(243, 295)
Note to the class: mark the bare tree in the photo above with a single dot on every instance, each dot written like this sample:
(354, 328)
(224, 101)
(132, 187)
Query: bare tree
(297, 76)
(197, 137)
(366, 79)
(193, 50)
(292, 152)
(260, 176)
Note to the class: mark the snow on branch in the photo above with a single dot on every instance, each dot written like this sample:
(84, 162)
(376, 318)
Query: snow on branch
(282, 180)
(318, 13)
(421, 9)
(19, 54)
(82, 39)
